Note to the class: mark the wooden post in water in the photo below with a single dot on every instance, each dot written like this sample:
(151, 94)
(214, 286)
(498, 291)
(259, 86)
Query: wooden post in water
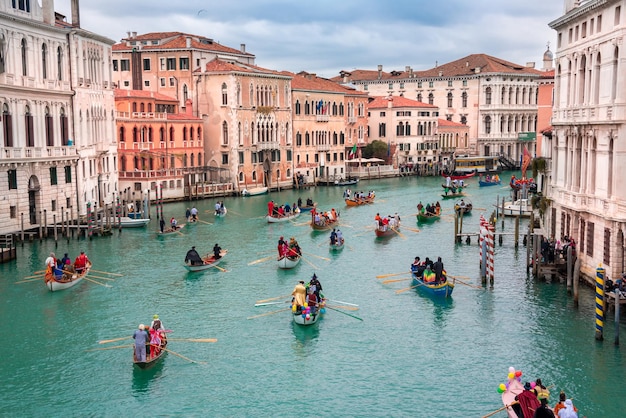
(528, 250)
(534, 254)
(497, 206)
(483, 261)
(72, 218)
(45, 223)
(503, 213)
(22, 230)
(40, 227)
(576, 280)
(569, 269)
(617, 307)
(456, 228)
(54, 221)
(460, 226)
(516, 232)
(599, 302)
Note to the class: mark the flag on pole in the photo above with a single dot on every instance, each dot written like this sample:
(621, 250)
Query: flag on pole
(525, 161)
(352, 152)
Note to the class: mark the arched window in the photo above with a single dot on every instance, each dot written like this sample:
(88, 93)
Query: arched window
(224, 95)
(199, 134)
(185, 93)
(44, 61)
(135, 134)
(142, 108)
(149, 107)
(488, 124)
(184, 133)
(172, 132)
(24, 51)
(199, 159)
(450, 99)
(134, 107)
(224, 133)
(464, 99)
(122, 137)
(59, 63)
(7, 126)
(488, 96)
(49, 125)
(65, 130)
(431, 98)
(123, 163)
(2, 46)
(193, 157)
(30, 131)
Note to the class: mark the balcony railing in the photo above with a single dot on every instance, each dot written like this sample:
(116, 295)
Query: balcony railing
(38, 152)
(268, 145)
(322, 118)
(323, 147)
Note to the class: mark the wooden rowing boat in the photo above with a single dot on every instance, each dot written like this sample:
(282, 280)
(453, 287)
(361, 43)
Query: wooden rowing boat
(460, 176)
(452, 195)
(151, 361)
(464, 208)
(428, 217)
(361, 201)
(513, 389)
(221, 213)
(338, 246)
(323, 224)
(305, 319)
(387, 231)
(483, 183)
(274, 219)
(443, 289)
(53, 284)
(307, 208)
(255, 191)
(171, 231)
(209, 261)
(285, 262)
(346, 182)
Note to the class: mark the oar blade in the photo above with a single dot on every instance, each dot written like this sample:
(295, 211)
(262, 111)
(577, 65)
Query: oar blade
(113, 340)
(384, 276)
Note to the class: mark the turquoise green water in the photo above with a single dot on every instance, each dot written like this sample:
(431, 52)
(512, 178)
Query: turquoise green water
(410, 356)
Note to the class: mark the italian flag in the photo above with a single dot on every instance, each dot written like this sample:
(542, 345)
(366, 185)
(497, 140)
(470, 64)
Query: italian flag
(352, 153)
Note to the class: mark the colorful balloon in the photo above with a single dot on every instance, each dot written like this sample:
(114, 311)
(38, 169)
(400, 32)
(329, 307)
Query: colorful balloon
(511, 375)
(502, 387)
(323, 310)
(518, 373)
(532, 385)
(511, 369)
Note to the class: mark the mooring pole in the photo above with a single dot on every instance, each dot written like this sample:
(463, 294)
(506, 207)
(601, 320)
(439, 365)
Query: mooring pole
(600, 272)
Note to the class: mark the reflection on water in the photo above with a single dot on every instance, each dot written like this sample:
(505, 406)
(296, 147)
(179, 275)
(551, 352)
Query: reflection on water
(143, 378)
(305, 337)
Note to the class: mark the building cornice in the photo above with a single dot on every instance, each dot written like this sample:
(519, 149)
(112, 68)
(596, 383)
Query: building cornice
(578, 12)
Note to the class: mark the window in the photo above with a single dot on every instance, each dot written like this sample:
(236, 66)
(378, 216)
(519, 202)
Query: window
(12, 179)
(224, 158)
(146, 83)
(126, 83)
(390, 86)
(449, 99)
(464, 99)
(224, 94)
(59, 63)
(171, 64)
(49, 126)
(241, 154)
(382, 130)
(224, 133)
(162, 79)
(599, 25)
(44, 61)
(23, 5)
(125, 65)
(172, 80)
(65, 131)
(146, 64)
(115, 65)
(184, 63)
(30, 131)
(53, 176)
(449, 83)
(431, 98)
(488, 96)
(590, 231)
(488, 125)
(431, 84)
(419, 84)
(7, 126)
(618, 11)
(24, 51)
(162, 63)
(607, 246)
(464, 83)
(382, 114)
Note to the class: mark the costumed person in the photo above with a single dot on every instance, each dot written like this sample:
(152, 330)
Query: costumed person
(155, 343)
(270, 208)
(544, 410)
(561, 404)
(528, 401)
(281, 246)
(541, 391)
(316, 285)
(438, 269)
(568, 410)
(217, 250)
(65, 260)
(81, 262)
(339, 236)
(156, 323)
(187, 214)
(162, 224)
(299, 295)
(193, 257)
(141, 339)
(311, 300)
(51, 263)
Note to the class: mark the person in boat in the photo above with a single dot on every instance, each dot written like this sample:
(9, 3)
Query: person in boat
(141, 339)
(333, 213)
(339, 237)
(309, 202)
(544, 411)
(437, 208)
(162, 224)
(194, 213)
(65, 260)
(193, 257)
(428, 208)
(561, 404)
(528, 401)
(156, 323)
(438, 269)
(448, 181)
(188, 214)
(311, 300)
(299, 295)
(81, 262)
(333, 237)
(217, 208)
(280, 212)
(541, 391)
(155, 343)
(416, 265)
(270, 208)
(385, 224)
(315, 284)
(287, 208)
(68, 271)
(299, 202)
(51, 261)
(174, 223)
(420, 207)
(378, 219)
(217, 250)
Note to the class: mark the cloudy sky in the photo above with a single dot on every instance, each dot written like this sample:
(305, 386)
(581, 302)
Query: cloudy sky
(326, 36)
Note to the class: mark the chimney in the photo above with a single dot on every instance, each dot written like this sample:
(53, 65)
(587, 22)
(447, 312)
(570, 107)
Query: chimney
(476, 70)
(189, 107)
(380, 71)
(48, 11)
(530, 64)
(440, 73)
(467, 63)
(407, 68)
(389, 102)
(75, 14)
(127, 35)
(242, 47)
(188, 42)
(134, 35)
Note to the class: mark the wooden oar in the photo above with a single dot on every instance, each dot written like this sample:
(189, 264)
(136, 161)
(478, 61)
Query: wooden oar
(382, 276)
(411, 229)
(309, 263)
(194, 340)
(113, 340)
(101, 278)
(181, 356)
(408, 288)
(395, 280)
(106, 272)
(323, 258)
(271, 303)
(96, 282)
(343, 303)
(261, 260)
(271, 299)
(34, 276)
(399, 233)
(467, 284)
(204, 222)
(500, 409)
(349, 308)
(221, 269)
(345, 313)
(268, 313)
(460, 277)
(111, 348)
(39, 272)
(29, 280)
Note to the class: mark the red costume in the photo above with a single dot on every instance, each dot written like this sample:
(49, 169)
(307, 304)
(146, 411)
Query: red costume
(529, 402)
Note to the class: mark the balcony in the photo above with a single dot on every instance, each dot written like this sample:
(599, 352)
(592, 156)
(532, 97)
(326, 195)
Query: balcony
(323, 147)
(351, 119)
(322, 118)
(268, 145)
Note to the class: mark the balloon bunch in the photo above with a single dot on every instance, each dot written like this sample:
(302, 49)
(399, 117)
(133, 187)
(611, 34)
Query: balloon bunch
(306, 311)
(513, 374)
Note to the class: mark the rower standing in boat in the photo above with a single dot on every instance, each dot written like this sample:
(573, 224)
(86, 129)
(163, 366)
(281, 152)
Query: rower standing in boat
(316, 286)
(217, 251)
(141, 339)
(217, 208)
(339, 236)
(299, 295)
(81, 262)
(333, 237)
(188, 214)
(193, 257)
(194, 213)
(174, 223)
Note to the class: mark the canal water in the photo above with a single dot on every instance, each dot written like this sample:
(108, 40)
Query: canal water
(400, 354)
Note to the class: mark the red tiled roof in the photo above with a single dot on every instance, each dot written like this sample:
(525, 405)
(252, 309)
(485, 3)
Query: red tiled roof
(396, 102)
(142, 94)
(311, 82)
(175, 40)
(446, 122)
(183, 116)
(220, 65)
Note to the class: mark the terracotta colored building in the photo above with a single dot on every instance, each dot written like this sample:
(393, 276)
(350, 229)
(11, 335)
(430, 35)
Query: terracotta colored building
(453, 140)
(157, 145)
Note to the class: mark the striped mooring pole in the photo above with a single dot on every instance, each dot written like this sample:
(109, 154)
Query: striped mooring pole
(600, 273)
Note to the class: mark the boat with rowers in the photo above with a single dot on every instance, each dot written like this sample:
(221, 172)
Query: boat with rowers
(208, 261)
(155, 350)
(358, 200)
(463, 207)
(460, 176)
(283, 218)
(324, 220)
(424, 280)
(426, 217)
(67, 280)
(308, 304)
(288, 262)
(387, 227)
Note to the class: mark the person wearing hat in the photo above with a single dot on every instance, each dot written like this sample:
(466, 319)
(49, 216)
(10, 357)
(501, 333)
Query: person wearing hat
(528, 401)
(193, 258)
(316, 285)
(282, 246)
(561, 405)
(544, 410)
(299, 295)
(156, 323)
(569, 410)
(141, 339)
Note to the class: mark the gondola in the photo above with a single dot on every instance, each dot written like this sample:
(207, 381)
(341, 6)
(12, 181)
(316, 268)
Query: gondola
(53, 284)
(346, 182)
(209, 261)
(443, 289)
(284, 218)
(460, 176)
(286, 262)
